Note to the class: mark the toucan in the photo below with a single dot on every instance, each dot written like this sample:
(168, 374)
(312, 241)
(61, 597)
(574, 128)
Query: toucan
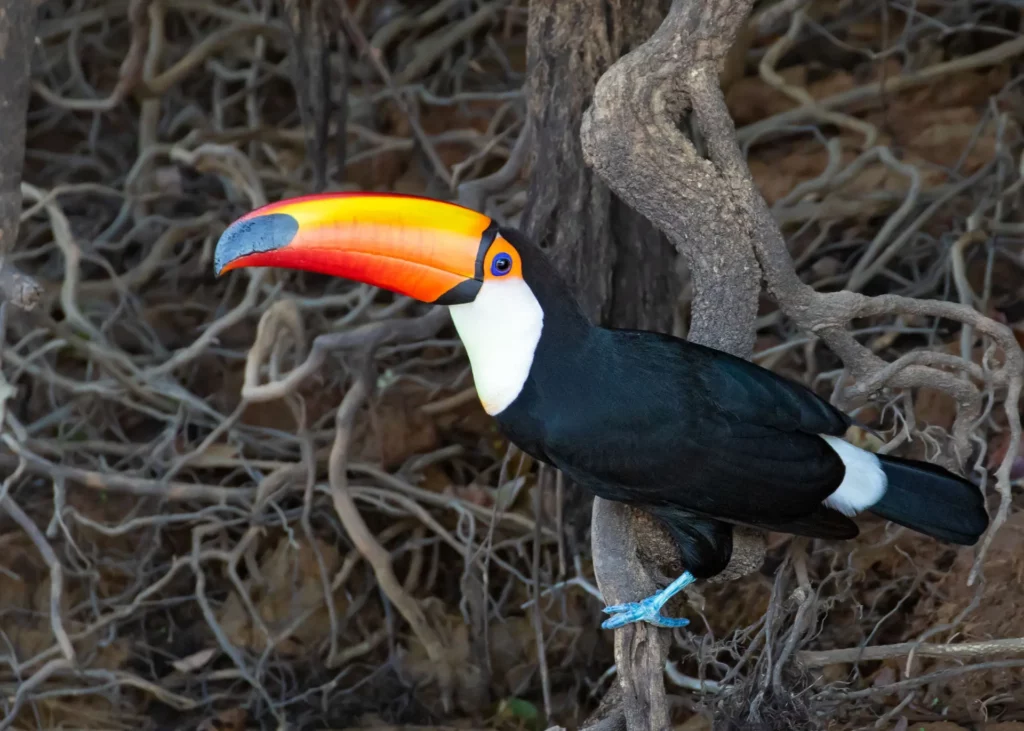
(704, 441)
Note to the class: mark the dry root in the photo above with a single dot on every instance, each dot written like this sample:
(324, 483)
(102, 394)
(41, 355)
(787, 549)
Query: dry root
(194, 532)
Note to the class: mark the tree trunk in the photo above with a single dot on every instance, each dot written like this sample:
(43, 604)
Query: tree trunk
(17, 31)
(700, 193)
(621, 267)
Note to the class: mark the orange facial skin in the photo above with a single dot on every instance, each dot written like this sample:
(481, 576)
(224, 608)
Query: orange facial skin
(501, 246)
(426, 249)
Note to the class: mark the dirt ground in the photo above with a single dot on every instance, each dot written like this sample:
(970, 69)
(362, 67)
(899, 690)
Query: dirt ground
(197, 562)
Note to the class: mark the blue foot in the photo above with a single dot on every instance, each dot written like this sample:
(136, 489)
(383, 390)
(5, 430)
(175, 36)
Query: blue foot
(649, 610)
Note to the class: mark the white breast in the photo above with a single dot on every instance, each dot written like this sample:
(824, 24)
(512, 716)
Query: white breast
(500, 329)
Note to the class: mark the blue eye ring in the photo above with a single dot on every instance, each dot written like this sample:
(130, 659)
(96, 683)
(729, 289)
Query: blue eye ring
(501, 265)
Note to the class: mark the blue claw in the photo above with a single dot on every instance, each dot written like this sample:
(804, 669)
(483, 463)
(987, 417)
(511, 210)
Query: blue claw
(649, 610)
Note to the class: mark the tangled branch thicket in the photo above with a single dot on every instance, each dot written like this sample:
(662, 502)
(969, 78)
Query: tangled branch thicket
(273, 500)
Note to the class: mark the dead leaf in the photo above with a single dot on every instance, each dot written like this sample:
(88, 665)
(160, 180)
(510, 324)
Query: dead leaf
(885, 676)
(219, 453)
(512, 645)
(434, 479)
(735, 63)
(290, 586)
(25, 615)
(397, 428)
(377, 172)
(411, 182)
(474, 114)
(997, 614)
(863, 438)
(933, 407)
(471, 691)
(834, 83)
(751, 99)
(697, 722)
(194, 661)
(826, 266)
(472, 494)
(230, 720)
(934, 127)
(997, 453)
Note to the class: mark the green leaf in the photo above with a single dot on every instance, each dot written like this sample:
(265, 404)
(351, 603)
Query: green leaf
(523, 710)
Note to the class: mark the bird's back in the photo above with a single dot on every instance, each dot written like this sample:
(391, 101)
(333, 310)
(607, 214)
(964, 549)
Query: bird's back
(653, 420)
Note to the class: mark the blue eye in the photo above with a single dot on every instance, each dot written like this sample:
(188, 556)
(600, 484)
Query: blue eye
(501, 265)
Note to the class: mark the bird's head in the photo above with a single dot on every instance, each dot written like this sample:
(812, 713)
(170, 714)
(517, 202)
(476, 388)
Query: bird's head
(429, 250)
(501, 289)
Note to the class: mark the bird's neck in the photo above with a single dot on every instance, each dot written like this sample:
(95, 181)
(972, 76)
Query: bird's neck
(511, 325)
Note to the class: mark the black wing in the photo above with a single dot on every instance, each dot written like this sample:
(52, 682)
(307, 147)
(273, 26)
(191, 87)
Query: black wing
(693, 428)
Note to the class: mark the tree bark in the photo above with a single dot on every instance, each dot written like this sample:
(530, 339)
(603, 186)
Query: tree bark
(621, 266)
(17, 30)
(631, 136)
(697, 191)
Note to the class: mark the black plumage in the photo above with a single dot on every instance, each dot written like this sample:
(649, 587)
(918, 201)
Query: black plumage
(701, 439)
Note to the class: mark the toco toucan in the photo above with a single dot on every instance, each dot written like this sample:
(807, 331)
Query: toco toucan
(701, 439)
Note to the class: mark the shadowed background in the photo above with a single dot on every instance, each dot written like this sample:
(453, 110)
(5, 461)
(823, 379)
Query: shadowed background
(196, 530)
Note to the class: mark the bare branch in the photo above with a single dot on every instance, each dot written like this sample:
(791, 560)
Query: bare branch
(369, 547)
(144, 400)
(820, 658)
(56, 574)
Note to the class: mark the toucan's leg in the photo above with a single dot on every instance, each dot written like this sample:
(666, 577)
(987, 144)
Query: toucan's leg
(649, 610)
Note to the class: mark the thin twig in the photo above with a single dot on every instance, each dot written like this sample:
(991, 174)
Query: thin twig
(56, 575)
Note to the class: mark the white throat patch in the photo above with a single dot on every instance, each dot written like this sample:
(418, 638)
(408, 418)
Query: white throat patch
(500, 329)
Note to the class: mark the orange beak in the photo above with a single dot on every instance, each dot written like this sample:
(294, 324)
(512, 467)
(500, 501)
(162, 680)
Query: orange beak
(426, 249)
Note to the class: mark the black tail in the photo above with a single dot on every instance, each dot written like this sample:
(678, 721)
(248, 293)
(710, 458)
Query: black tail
(931, 500)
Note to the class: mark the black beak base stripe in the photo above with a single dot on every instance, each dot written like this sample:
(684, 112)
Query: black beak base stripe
(467, 290)
(462, 293)
(486, 239)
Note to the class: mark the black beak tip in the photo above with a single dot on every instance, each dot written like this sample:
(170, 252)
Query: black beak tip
(258, 235)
